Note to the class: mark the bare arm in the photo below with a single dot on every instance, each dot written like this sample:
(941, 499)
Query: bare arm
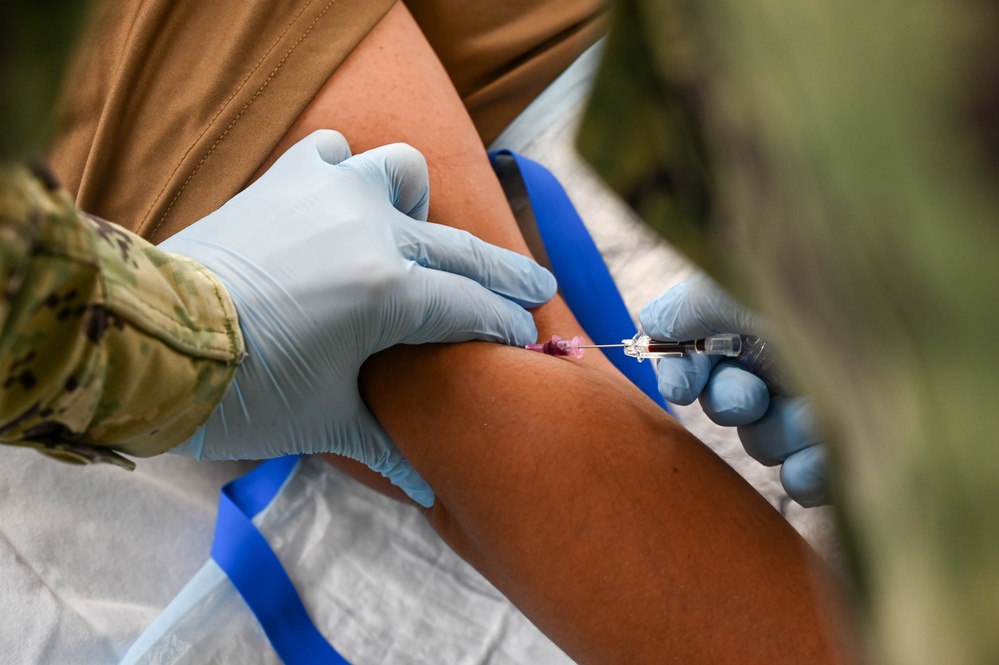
(620, 535)
(612, 528)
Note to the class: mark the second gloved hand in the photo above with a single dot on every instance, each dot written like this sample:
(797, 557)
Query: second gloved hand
(329, 259)
(774, 430)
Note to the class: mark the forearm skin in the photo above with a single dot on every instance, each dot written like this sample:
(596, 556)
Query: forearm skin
(619, 534)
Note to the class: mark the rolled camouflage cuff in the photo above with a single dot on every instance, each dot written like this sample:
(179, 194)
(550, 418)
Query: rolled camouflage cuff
(107, 342)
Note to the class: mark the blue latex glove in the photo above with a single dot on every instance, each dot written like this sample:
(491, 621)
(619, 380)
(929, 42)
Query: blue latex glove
(329, 260)
(774, 430)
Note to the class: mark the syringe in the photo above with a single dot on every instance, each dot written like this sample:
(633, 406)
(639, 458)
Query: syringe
(753, 353)
(641, 346)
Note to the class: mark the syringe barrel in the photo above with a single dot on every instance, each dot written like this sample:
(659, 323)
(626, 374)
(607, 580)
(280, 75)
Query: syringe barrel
(642, 346)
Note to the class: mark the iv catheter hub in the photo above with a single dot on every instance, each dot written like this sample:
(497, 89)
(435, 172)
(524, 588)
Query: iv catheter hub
(560, 347)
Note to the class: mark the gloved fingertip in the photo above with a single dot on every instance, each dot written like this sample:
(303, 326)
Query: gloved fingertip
(514, 326)
(424, 497)
(402, 474)
(530, 285)
(331, 145)
(410, 482)
(788, 427)
(734, 397)
(675, 396)
(681, 380)
(547, 284)
(403, 171)
(805, 477)
(524, 332)
(675, 386)
(410, 176)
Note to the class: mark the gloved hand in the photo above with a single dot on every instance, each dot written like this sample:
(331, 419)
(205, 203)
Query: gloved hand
(329, 260)
(774, 430)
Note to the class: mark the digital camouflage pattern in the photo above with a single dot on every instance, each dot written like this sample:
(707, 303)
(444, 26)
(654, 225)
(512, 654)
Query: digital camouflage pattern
(107, 342)
(836, 164)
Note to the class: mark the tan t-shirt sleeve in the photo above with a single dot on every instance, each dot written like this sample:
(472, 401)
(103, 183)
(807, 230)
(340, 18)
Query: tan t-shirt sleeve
(501, 55)
(172, 105)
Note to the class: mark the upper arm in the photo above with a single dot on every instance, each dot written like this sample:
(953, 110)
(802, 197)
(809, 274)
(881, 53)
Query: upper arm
(614, 529)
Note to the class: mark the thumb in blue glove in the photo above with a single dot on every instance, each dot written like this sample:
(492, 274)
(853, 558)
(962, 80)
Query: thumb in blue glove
(329, 259)
(774, 430)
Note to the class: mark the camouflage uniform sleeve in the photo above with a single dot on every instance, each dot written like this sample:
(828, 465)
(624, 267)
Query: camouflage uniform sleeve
(643, 128)
(854, 180)
(108, 344)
